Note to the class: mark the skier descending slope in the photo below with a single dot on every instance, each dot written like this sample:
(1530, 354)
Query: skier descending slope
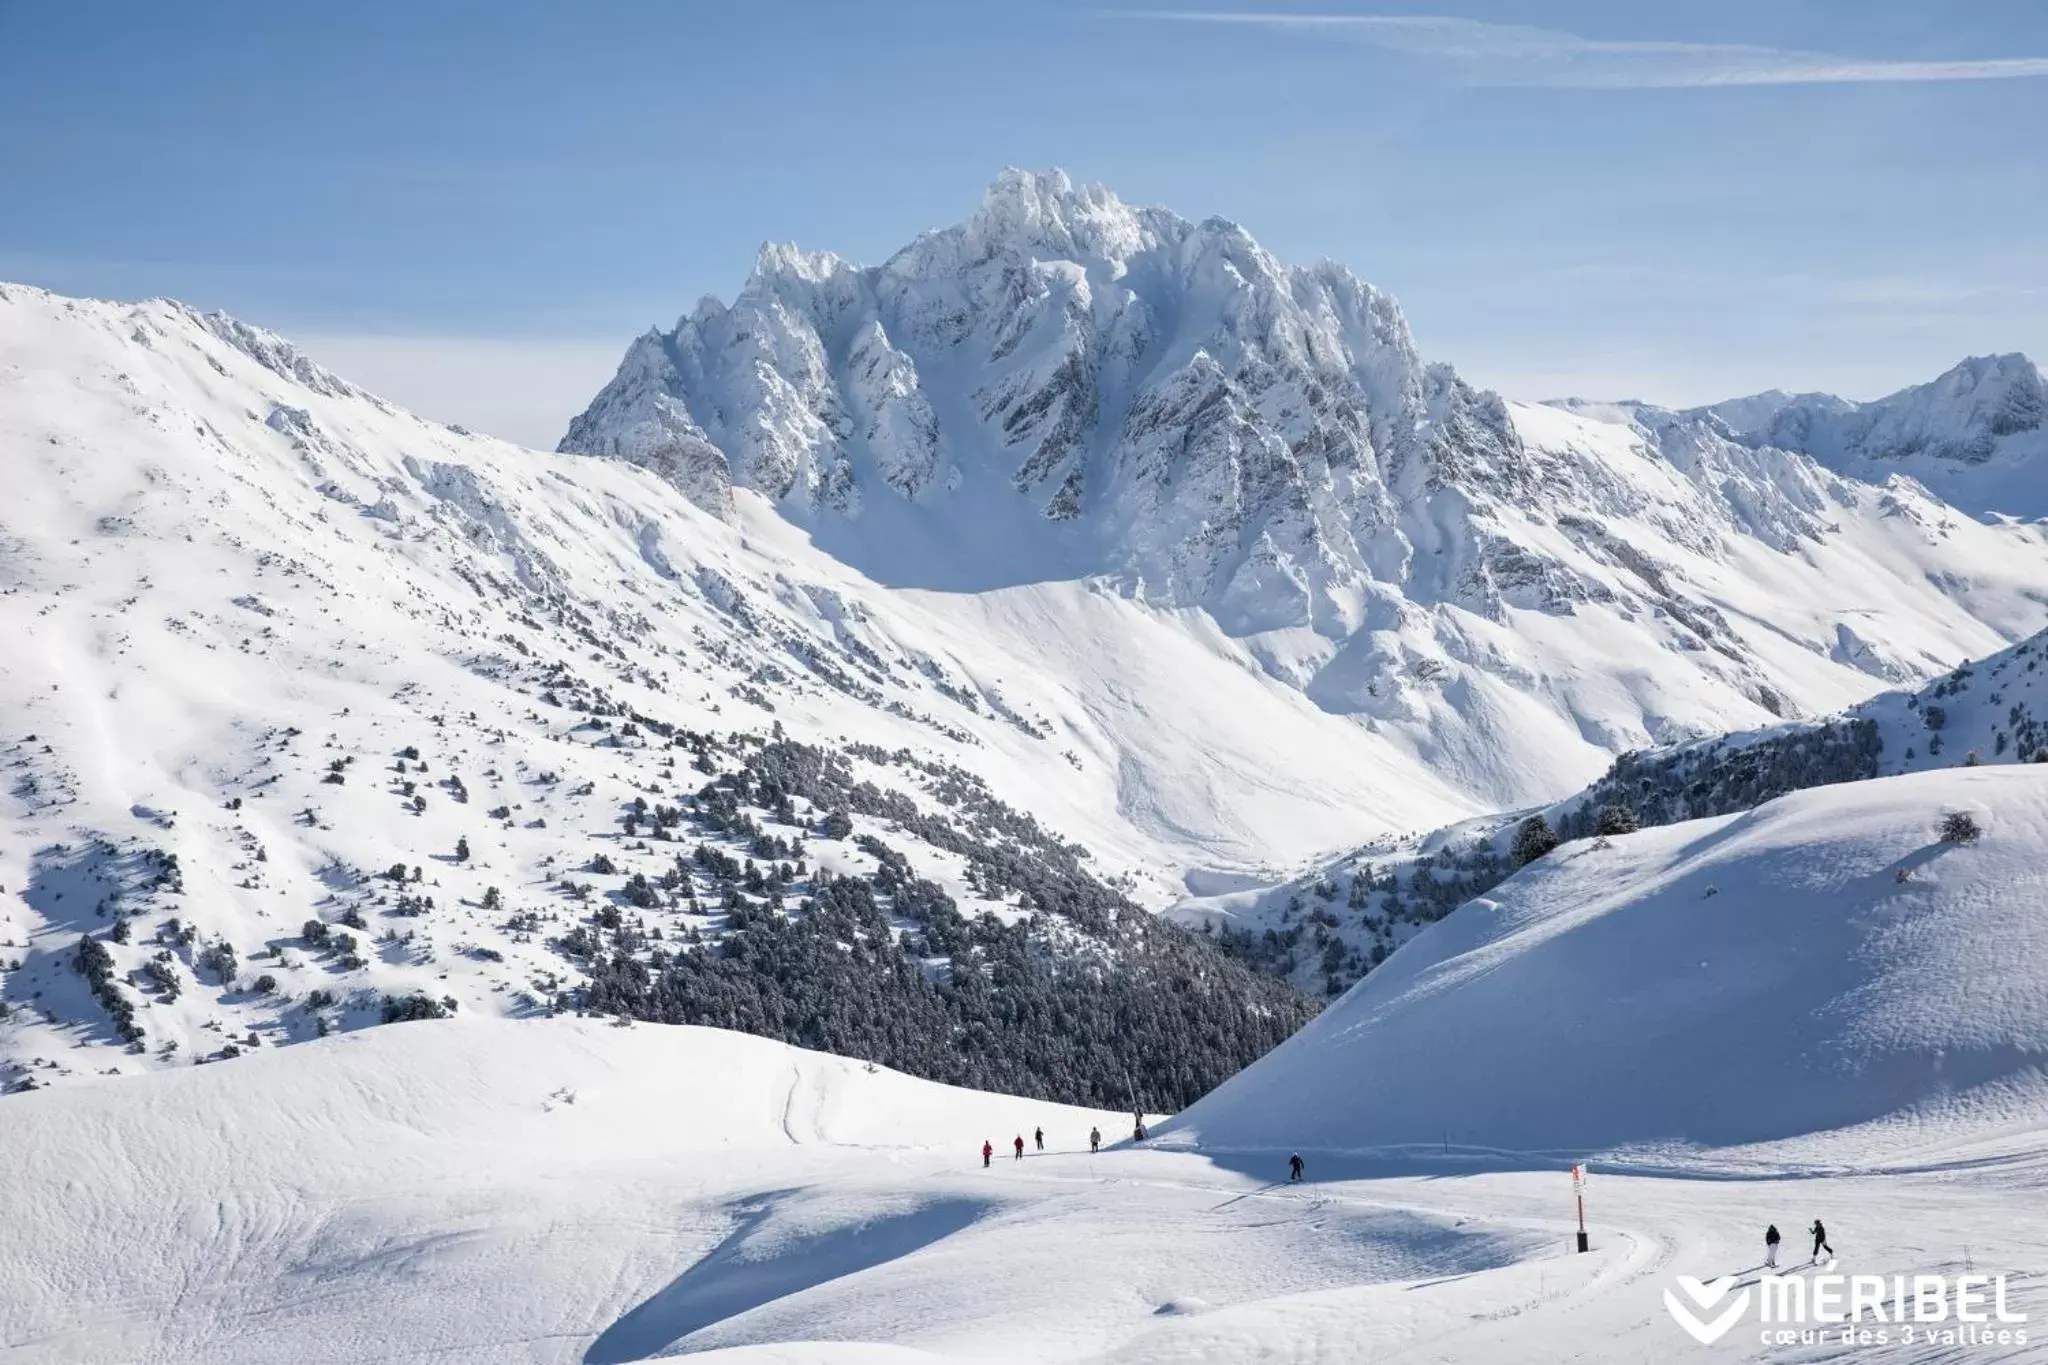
(1771, 1246)
(1038, 1136)
(1294, 1167)
(1820, 1240)
(1020, 1146)
(1094, 1141)
(988, 1149)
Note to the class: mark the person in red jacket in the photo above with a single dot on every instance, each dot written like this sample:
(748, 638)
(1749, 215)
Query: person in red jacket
(988, 1149)
(1020, 1146)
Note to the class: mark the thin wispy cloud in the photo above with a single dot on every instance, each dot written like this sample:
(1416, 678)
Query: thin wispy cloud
(1512, 54)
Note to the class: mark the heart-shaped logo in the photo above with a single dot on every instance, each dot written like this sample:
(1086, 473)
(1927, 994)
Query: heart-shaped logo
(1703, 1295)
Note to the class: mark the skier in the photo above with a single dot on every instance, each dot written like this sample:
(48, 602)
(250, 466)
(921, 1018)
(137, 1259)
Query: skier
(1020, 1146)
(1294, 1167)
(1038, 1136)
(1138, 1127)
(988, 1149)
(1771, 1246)
(1820, 1240)
(1094, 1141)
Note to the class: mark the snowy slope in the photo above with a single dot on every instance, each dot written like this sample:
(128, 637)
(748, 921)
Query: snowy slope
(1330, 925)
(1977, 435)
(1065, 388)
(1822, 962)
(464, 1186)
(564, 1191)
(274, 638)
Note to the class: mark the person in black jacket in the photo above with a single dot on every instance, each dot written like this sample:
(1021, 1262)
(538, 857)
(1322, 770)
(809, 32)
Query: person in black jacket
(1771, 1246)
(1294, 1167)
(1820, 1240)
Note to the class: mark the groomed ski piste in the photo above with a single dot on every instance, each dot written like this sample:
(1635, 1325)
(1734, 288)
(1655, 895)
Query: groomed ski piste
(1823, 1008)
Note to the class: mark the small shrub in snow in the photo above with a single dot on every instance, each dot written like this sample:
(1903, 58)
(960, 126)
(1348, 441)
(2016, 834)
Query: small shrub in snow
(96, 964)
(1959, 827)
(1615, 819)
(219, 958)
(399, 1009)
(1534, 839)
(265, 984)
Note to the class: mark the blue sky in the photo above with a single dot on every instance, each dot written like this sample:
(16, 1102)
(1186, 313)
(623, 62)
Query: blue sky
(473, 206)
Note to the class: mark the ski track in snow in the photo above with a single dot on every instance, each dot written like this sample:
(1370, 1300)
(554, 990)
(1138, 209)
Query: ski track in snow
(413, 1193)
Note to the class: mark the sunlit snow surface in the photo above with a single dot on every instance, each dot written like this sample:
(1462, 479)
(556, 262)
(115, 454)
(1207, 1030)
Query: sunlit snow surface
(568, 1191)
(1818, 1038)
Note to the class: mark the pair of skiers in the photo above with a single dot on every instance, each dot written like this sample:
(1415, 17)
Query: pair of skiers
(1820, 1242)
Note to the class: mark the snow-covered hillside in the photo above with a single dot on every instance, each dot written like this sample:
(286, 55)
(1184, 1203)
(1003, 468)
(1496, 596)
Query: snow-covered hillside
(558, 1191)
(1977, 435)
(469, 1187)
(325, 714)
(1329, 926)
(1066, 387)
(318, 714)
(1835, 958)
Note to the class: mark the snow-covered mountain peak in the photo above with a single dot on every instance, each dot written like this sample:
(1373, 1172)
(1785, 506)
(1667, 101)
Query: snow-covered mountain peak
(1067, 388)
(786, 260)
(1045, 212)
(1977, 434)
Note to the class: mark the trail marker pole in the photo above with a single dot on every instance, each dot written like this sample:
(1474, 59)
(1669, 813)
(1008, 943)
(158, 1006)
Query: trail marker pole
(1579, 1193)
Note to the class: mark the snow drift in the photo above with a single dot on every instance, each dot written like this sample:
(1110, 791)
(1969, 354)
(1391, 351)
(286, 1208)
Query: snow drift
(1823, 961)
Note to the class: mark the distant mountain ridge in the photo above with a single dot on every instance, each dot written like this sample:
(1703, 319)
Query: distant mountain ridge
(1065, 387)
(1332, 925)
(1977, 435)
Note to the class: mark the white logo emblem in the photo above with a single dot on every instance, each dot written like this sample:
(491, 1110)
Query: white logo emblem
(1704, 1295)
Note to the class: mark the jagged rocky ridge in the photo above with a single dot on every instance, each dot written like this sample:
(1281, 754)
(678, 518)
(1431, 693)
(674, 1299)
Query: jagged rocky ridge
(1069, 387)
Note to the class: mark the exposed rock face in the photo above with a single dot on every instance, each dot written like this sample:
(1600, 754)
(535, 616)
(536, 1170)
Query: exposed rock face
(1232, 432)
(1066, 386)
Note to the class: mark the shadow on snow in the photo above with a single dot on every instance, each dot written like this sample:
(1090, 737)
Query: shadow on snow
(745, 1271)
